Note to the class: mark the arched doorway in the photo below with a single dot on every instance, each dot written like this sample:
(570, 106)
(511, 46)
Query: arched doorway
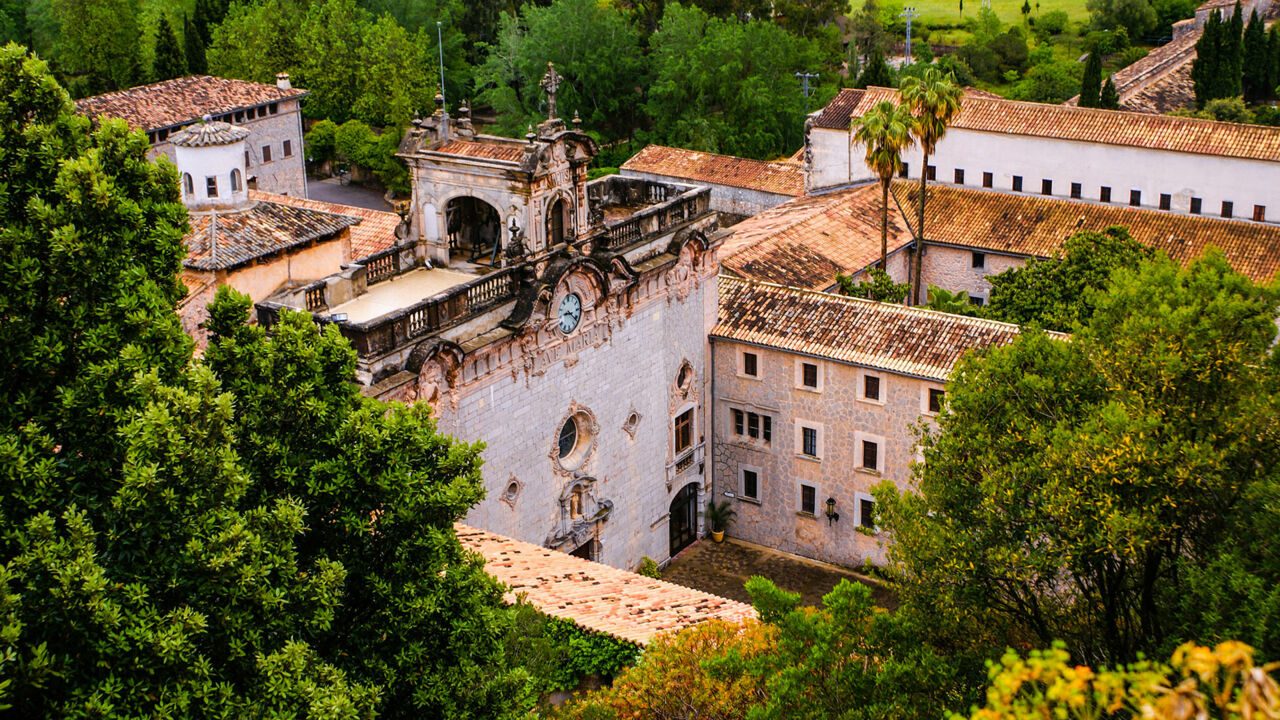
(556, 222)
(683, 521)
(474, 229)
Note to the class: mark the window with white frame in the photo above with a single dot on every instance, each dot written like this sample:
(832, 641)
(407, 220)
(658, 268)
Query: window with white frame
(748, 364)
(748, 425)
(809, 439)
(932, 399)
(871, 387)
(868, 452)
(809, 374)
(749, 483)
(865, 507)
(808, 499)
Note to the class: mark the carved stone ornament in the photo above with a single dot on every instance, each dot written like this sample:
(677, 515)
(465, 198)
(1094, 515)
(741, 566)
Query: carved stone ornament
(580, 514)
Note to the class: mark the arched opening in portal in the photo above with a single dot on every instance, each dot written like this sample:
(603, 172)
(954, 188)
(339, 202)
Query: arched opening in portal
(557, 222)
(475, 230)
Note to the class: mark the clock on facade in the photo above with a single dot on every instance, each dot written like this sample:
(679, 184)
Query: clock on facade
(570, 313)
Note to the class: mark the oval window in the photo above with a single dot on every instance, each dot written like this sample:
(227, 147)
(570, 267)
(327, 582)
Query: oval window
(568, 438)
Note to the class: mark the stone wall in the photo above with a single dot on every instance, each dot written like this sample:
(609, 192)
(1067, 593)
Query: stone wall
(775, 519)
(953, 269)
(724, 198)
(283, 175)
(616, 373)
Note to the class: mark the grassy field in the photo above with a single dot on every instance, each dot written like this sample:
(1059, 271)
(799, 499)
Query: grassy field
(947, 12)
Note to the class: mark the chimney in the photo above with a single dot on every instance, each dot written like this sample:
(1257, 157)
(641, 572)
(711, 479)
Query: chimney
(282, 81)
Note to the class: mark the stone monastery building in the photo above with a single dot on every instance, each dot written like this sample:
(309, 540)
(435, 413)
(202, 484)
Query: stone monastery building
(633, 347)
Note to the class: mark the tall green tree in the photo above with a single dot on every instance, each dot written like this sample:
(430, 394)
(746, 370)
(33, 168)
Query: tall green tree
(1091, 84)
(884, 132)
(331, 44)
(729, 86)
(397, 74)
(169, 62)
(193, 46)
(935, 101)
(875, 73)
(1206, 68)
(257, 40)
(99, 46)
(242, 537)
(1233, 52)
(1258, 69)
(1109, 99)
(1060, 293)
(1067, 483)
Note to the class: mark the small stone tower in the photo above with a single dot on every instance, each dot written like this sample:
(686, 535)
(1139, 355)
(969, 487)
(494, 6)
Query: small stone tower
(211, 158)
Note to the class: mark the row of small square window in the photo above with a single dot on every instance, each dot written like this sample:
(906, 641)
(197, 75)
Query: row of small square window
(810, 375)
(286, 146)
(1104, 193)
(749, 489)
(758, 427)
(236, 117)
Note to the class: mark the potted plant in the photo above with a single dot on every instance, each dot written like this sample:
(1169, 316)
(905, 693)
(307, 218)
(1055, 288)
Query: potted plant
(719, 517)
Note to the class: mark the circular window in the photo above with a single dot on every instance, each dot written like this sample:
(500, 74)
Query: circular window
(568, 437)
(512, 490)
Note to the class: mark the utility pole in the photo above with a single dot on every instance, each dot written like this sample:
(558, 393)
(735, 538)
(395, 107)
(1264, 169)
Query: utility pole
(910, 14)
(444, 105)
(804, 81)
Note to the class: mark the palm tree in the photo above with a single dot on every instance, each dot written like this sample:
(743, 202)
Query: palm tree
(935, 100)
(886, 130)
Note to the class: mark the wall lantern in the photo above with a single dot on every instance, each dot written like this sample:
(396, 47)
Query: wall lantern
(832, 515)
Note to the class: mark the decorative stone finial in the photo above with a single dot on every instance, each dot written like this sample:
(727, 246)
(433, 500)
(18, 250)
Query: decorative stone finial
(551, 83)
(206, 119)
(531, 135)
(577, 121)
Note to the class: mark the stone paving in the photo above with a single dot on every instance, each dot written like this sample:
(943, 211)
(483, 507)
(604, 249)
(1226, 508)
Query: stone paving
(330, 190)
(723, 569)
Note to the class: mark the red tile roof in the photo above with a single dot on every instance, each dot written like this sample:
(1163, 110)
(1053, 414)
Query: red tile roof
(806, 241)
(511, 152)
(205, 134)
(1034, 225)
(594, 596)
(781, 178)
(1112, 127)
(896, 338)
(256, 231)
(182, 100)
(376, 231)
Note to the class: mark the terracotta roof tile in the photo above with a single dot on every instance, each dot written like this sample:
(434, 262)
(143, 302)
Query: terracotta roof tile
(593, 596)
(261, 229)
(209, 133)
(805, 242)
(375, 233)
(1112, 127)
(511, 152)
(1033, 225)
(182, 100)
(906, 340)
(781, 178)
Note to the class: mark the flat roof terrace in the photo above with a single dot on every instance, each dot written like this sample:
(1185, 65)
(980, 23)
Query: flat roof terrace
(398, 292)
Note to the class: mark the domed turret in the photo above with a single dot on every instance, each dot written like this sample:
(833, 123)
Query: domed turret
(211, 159)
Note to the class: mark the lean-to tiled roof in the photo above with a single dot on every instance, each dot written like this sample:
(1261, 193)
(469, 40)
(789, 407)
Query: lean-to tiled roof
(259, 230)
(182, 100)
(376, 231)
(1062, 122)
(511, 152)
(1034, 225)
(806, 241)
(780, 178)
(895, 338)
(593, 596)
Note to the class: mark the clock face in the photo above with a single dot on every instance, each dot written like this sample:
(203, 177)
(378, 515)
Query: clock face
(570, 313)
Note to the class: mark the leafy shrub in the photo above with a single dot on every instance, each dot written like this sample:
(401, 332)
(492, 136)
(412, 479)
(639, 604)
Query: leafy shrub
(356, 143)
(1130, 56)
(1053, 22)
(649, 568)
(880, 288)
(558, 654)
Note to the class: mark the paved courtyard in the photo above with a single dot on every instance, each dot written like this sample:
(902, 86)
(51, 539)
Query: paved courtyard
(723, 569)
(330, 190)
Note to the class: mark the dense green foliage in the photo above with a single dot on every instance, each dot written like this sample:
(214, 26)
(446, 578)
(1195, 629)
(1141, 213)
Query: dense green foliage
(880, 287)
(170, 61)
(242, 536)
(848, 659)
(1091, 83)
(356, 144)
(1071, 489)
(1059, 293)
(1231, 62)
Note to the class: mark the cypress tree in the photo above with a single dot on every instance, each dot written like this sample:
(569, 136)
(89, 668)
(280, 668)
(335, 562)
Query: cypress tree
(1256, 77)
(1091, 85)
(1204, 69)
(1109, 98)
(1232, 68)
(169, 61)
(1273, 81)
(194, 43)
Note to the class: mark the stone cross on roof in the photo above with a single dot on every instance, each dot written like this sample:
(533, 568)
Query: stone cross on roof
(551, 83)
